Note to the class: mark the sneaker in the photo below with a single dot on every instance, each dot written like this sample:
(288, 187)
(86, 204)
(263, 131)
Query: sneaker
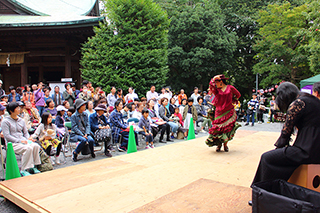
(57, 161)
(186, 138)
(75, 157)
(252, 124)
(122, 149)
(151, 146)
(108, 154)
(246, 124)
(202, 131)
(24, 173)
(34, 171)
(93, 155)
(195, 132)
(111, 149)
(147, 147)
(52, 162)
(172, 137)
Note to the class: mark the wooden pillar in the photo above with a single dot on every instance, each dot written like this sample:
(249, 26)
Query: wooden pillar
(67, 71)
(23, 73)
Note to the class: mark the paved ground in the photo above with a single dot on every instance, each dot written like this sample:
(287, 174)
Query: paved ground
(8, 207)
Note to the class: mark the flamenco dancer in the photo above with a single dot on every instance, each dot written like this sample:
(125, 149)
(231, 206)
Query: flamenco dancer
(224, 118)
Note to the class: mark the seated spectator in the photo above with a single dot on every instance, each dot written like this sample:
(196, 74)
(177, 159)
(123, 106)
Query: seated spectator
(99, 126)
(69, 113)
(182, 106)
(172, 106)
(57, 96)
(145, 124)
(152, 94)
(31, 116)
(4, 98)
(50, 108)
(90, 109)
(85, 95)
(202, 115)
(80, 129)
(59, 122)
(162, 125)
(98, 95)
(112, 97)
(125, 112)
(15, 130)
(180, 122)
(13, 96)
(39, 99)
(2, 92)
(181, 96)
(19, 91)
(75, 90)
(120, 95)
(34, 87)
(46, 94)
(66, 105)
(130, 96)
(68, 94)
(119, 127)
(138, 112)
(165, 115)
(132, 107)
(195, 95)
(136, 101)
(205, 100)
(28, 95)
(189, 112)
(47, 135)
(144, 102)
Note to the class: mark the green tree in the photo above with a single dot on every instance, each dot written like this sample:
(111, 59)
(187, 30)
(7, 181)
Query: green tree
(281, 50)
(131, 51)
(199, 45)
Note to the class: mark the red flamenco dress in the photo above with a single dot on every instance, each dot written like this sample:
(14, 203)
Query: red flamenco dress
(224, 118)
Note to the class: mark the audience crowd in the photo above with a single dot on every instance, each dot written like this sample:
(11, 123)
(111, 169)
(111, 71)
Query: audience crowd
(35, 118)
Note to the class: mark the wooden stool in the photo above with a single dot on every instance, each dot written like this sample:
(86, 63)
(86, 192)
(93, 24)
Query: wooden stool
(308, 176)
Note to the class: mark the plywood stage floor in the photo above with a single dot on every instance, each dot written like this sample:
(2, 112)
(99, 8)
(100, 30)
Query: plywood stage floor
(182, 177)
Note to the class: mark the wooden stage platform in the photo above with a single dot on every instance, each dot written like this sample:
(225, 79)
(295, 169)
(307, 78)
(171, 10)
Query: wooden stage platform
(181, 177)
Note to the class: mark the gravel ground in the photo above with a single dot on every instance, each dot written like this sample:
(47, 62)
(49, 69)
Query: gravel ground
(8, 207)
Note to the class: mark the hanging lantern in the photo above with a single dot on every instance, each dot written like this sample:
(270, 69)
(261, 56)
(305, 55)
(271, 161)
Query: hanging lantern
(269, 90)
(276, 86)
(272, 89)
(266, 91)
(253, 90)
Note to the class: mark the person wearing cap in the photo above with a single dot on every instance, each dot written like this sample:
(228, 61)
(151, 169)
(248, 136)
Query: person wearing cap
(2, 92)
(98, 123)
(224, 123)
(80, 129)
(15, 131)
(59, 122)
(13, 96)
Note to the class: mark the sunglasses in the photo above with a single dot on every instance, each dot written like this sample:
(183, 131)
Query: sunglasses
(218, 80)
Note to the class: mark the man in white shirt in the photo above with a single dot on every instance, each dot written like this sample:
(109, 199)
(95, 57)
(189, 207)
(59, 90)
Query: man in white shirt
(111, 97)
(195, 95)
(152, 94)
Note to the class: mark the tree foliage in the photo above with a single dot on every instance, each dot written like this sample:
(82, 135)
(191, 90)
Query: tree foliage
(199, 45)
(130, 51)
(281, 50)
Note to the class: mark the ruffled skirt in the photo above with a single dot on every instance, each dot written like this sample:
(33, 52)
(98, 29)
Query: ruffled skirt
(223, 128)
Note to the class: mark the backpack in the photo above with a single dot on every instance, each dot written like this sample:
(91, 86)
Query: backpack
(46, 164)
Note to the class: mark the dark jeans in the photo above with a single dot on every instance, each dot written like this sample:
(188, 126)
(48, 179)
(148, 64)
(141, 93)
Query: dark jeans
(125, 138)
(164, 128)
(83, 142)
(248, 117)
(271, 115)
(149, 138)
(40, 109)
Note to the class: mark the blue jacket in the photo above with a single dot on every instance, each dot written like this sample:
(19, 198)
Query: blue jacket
(117, 123)
(75, 123)
(59, 122)
(10, 97)
(94, 122)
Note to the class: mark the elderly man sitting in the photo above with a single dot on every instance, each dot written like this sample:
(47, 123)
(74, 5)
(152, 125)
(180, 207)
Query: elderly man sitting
(80, 129)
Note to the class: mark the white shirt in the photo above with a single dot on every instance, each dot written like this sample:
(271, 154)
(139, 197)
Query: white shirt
(151, 95)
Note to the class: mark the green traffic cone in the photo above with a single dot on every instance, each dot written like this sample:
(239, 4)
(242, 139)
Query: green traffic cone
(132, 147)
(12, 169)
(191, 134)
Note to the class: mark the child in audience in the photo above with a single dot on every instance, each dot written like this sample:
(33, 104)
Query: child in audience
(59, 122)
(67, 116)
(47, 134)
(189, 112)
(181, 124)
(145, 124)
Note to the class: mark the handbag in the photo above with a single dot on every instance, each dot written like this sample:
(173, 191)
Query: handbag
(102, 135)
(249, 112)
